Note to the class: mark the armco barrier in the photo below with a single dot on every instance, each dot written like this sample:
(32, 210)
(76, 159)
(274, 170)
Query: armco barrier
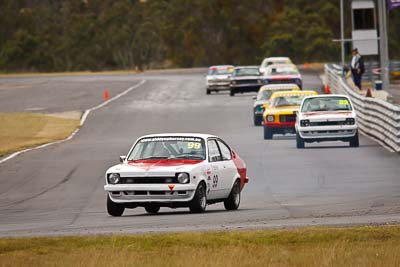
(377, 119)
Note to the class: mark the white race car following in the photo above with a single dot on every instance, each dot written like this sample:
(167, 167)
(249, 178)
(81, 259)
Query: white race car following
(176, 170)
(273, 60)
(326, 118)
(218, 78)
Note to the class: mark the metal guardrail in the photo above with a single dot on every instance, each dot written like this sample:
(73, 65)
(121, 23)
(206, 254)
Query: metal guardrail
(377, 118)
(370, 66)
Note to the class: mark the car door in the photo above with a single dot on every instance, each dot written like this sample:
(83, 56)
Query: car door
(228, 171)
(215, 165)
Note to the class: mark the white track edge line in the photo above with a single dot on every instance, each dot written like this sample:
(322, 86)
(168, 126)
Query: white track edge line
(82, 121)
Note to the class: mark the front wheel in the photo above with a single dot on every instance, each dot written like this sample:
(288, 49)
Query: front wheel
(299, 141)
(233, 200)
(232, 93)
(152, 209)
(257, 120)
(114, 209)
(268, 133)
(208, 91)
(199, 201)
(354, 141)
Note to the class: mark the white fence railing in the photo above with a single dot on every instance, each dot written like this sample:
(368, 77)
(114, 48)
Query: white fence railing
(377, 119)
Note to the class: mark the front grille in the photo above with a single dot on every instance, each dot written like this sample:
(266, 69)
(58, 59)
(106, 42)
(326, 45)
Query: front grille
(148, 180)
(287, 118)
(281, 81)
(326, 123)
(246, 81)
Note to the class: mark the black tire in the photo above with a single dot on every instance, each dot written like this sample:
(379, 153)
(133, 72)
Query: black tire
(232, 93)
(299, 141)
(199, 201)
(354, 142)
(208, 91)
(257, 120)
(233, 200)
(268, 133)
(114, 209)
(152, 209)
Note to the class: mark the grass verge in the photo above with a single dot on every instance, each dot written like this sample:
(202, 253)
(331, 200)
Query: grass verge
(359, 246)
(24, 130)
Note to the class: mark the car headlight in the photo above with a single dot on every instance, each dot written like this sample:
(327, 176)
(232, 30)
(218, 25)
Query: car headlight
(266, 81)
(270, 118)
(350, 121)
(233, 82)
(113, 178)
(260, 81)
(304, 123)
(182, 177)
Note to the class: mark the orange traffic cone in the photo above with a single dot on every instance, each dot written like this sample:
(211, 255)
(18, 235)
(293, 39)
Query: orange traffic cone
(327, 90)
(105, 95)
(369, 93)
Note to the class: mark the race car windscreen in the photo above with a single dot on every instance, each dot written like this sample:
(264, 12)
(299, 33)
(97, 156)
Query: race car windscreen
(287, 100)
(247, 72)
(326, 104)
(266, 94)
(282, 71)
(169, 147)
(220, 71)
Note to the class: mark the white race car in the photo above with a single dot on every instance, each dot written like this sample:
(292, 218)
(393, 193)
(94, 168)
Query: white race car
(218, 78)
(273, 60)
(326, 118)
(176, 170)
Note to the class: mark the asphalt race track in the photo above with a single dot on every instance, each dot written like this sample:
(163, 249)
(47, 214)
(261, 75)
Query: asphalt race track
(59, 189)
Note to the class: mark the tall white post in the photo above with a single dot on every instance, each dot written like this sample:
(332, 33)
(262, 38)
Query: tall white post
(383, 44)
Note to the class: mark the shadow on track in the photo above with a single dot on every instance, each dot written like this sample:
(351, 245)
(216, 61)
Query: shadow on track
(183, 212)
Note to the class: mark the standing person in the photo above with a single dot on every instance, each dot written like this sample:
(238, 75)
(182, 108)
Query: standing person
(357, 67)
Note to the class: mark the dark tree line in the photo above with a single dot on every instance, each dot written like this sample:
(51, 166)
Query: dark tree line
(51, 35)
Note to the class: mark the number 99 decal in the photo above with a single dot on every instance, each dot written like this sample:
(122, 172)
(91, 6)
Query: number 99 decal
(192, 145)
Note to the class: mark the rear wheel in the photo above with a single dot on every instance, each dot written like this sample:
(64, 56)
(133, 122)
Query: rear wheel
(354, 141)
(152, 209)
(232, 93)
(233, 200)
(208, 91)
(268, 133)
(114, 209)
(199, 201)
(299, 141)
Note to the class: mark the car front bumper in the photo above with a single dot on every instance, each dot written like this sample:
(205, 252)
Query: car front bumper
(281, 127)
(218, 86)
(342, 132)
(245, 87)
(144, 193)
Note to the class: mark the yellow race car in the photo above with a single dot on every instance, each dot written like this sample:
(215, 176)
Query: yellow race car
(263, 96)
(280, 112)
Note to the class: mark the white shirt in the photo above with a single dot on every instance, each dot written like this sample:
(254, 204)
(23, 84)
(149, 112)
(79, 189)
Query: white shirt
(354, 61)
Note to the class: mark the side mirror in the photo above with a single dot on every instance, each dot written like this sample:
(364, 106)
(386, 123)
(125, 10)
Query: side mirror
(265, 106)
(254, 97)
(122, 159)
